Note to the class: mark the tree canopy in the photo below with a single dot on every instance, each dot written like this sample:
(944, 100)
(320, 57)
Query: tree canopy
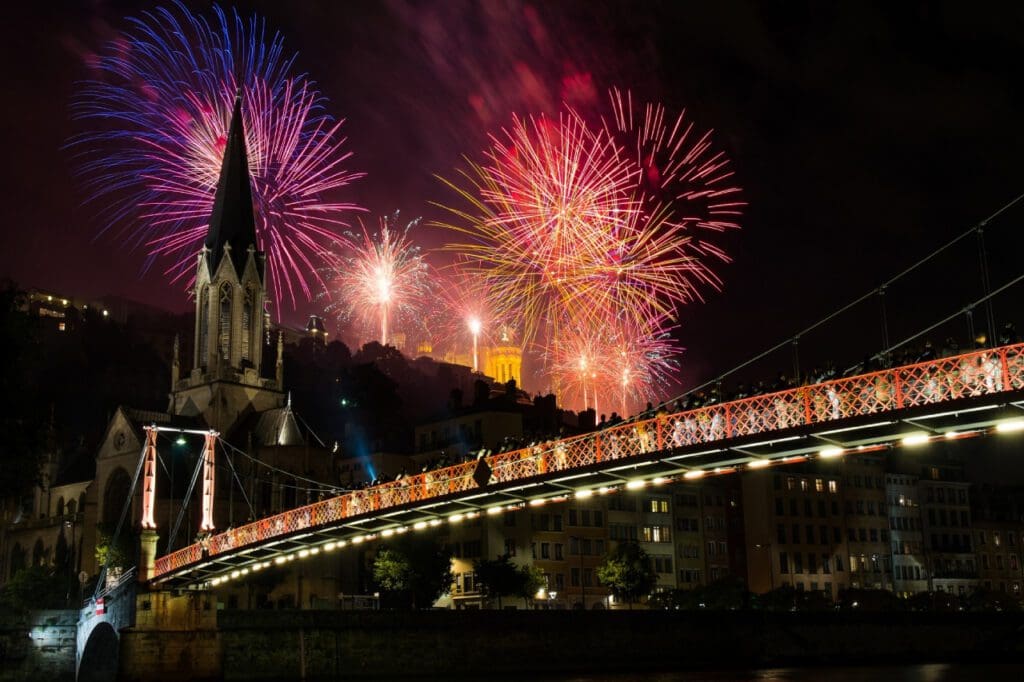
(412, 572)
(627, 572)
(501, 578)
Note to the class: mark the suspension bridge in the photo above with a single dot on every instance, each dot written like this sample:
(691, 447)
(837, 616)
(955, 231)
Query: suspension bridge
(956, 397)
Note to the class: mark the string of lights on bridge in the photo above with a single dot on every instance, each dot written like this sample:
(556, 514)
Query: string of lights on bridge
(912, 440)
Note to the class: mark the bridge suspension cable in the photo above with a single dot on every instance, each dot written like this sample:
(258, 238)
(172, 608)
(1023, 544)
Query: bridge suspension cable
(120, 522)
(966, 309)
(979, 226)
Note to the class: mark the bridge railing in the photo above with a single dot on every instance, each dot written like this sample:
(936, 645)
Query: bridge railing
(981, 372)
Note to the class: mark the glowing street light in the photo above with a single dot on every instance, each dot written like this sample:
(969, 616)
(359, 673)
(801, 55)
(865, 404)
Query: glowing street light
(474, 327)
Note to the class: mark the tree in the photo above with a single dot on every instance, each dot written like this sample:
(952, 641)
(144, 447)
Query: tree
(627, 572)
(413, 572)
(498, 578)
(36, 587)
(22, 412)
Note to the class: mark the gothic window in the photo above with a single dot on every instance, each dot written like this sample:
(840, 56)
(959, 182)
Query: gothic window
(204, 326)
(17, 559)
(224, 341)
(116, 492)
(247, 322)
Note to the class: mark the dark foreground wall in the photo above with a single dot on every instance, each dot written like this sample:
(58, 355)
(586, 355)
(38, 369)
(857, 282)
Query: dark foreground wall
(264, 645)
(39, 645)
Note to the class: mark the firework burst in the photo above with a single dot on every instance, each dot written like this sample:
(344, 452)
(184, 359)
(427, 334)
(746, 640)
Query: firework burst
(159, 109)
(381, 282)
(591, 238)
(613, 364)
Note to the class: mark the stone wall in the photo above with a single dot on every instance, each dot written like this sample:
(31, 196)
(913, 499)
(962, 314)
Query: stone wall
(174, 638)
(325, 645)
(38, 646)
(266, 645)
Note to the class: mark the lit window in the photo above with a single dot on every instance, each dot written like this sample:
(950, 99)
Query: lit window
(803, 484)
(832, 486)
(819, 485)
(60, 326)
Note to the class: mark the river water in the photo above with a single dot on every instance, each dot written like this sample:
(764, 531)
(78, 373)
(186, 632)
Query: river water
(933, 672)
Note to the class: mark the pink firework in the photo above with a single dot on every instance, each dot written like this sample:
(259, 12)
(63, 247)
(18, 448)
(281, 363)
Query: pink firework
(159, 110)
(381, 281)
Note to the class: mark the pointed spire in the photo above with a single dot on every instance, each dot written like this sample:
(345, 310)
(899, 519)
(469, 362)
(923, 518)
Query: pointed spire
(232, 225)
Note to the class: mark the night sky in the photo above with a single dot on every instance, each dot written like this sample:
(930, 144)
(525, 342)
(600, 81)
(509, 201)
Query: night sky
(864, 135)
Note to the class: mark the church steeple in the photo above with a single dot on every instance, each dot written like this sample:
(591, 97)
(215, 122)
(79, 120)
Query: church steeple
(230, 295)
(232, 224)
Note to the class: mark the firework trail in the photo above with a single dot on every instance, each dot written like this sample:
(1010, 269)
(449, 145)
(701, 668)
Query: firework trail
(158, 111)
(591, 237)
(613, 364)
(682, 176)
(381, 281)
(543, 214)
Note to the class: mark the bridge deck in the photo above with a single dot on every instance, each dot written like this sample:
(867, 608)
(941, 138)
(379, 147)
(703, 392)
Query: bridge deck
(953, 397)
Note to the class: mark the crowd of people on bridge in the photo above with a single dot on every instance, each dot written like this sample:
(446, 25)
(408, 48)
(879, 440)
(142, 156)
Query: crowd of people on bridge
(829, 404)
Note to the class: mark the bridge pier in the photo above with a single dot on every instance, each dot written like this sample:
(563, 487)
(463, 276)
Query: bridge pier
(147, 551)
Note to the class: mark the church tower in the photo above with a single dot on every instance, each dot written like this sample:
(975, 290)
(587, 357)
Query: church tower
(225, 383)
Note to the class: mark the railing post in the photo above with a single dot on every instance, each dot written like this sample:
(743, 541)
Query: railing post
(597, 447)
(1004, 367)
(728, 420)
(659, 431)
(897, 387)
(807, 406)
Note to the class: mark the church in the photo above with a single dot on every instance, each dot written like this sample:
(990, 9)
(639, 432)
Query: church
(266, 459)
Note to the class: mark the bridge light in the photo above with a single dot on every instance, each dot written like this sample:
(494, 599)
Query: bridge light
(694, 473)
(758, 463)
(303, 553)
(235, 574)
(357, 539)
(330, 546)
(493, 511)
(435, 522)
(536, 503)
(244, 571)
(584, 494)
(828, 453)
(635, 485)
(660, 480)
(401, 529)
(952, 434)
(604, 490)
(388, 532)
(280, 560)
(342, 543)
(314, 550)
(1010, 426)
(215, 582)
(915, 439)
(256, 567)
(419, 525)
(456, 518)
(291, 557)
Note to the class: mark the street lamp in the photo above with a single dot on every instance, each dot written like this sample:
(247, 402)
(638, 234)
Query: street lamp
(474, 327)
